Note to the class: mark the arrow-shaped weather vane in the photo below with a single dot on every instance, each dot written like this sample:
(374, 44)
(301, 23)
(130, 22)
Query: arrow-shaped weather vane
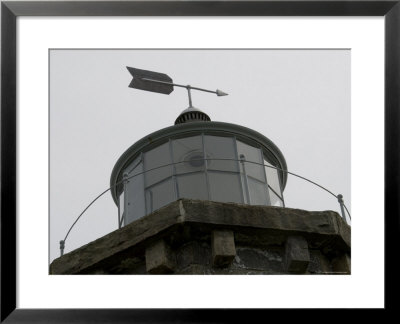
(161, 83)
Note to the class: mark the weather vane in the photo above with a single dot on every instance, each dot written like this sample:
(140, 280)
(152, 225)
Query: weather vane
(161, 83)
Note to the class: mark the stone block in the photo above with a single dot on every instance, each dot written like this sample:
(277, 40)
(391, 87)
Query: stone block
(297, 256)
(193, 252)
(159, 258)
(319, 263)
(252, 258)
(223, 248)
(342, 264)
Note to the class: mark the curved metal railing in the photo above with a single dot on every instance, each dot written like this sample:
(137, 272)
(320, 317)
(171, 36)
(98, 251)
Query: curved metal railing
(339, 197)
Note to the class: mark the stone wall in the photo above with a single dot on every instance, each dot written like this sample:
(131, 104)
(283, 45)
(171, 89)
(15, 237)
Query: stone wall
(204, 237)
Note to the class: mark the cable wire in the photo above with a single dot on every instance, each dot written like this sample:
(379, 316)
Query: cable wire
(62, 243)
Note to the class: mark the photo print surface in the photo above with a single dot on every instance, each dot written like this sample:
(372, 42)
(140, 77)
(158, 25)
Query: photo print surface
(298, 99)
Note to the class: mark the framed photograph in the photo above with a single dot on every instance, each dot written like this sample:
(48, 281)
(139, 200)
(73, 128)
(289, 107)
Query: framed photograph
(66, 105)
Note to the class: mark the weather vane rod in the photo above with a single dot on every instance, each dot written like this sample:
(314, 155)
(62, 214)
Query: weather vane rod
(161, 83)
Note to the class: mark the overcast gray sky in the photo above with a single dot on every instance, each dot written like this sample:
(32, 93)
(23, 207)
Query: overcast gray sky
(299, 99)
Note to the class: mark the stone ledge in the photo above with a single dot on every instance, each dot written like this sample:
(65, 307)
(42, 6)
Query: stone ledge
(194, 219)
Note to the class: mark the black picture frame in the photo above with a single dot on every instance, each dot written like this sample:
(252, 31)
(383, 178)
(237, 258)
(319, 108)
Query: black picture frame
(10, 10)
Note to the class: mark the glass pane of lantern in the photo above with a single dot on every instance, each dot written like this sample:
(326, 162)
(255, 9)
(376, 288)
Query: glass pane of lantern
(258, 192)
(134, 167)
(254, 155)
(193, 186)
(135, 197)
(154, 158)
(160, 195)
(272, 178)
(225, 187)
(275, 200)
(220, 148)
(188, 149)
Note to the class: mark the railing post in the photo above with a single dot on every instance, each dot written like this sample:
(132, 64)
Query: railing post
(62, 246)
(341, 203)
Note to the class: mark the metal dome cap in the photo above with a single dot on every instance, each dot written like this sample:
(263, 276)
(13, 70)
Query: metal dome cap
(192, 114)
